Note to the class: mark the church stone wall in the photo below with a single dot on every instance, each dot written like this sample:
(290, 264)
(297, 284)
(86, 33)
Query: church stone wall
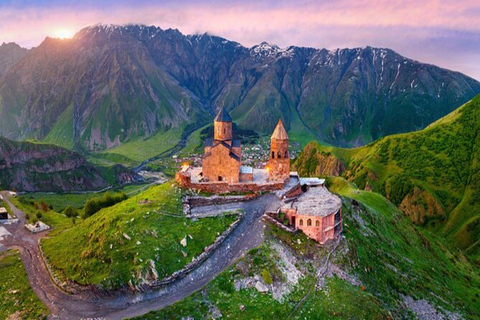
(220, 166)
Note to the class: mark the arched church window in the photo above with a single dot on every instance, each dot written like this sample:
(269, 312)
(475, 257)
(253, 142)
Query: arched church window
(301, 222)
(224, 130)
(273, 154)
(309, 222)
(279, 155)
(317, 223)
(286, 154)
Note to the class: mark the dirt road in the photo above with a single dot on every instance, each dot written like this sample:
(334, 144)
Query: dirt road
(247, 235)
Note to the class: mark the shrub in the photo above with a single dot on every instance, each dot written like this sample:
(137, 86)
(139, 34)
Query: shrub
(96, 204)
(70, 212)
(267, 277)
(39, 215)
(43, 205)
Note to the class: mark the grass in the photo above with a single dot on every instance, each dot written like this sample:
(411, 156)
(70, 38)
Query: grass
(59, 201)
(132, 241)
(18, 301)
(141, 150)
(432, 175)
(392, 256)
(54, 219)
(382, 249)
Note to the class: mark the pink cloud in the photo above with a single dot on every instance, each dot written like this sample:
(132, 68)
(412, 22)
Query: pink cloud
(400, 25)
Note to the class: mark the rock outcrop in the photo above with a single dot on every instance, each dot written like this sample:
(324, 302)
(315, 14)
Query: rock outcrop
(26, 166)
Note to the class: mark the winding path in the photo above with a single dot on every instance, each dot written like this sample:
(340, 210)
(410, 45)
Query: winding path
(247, 235)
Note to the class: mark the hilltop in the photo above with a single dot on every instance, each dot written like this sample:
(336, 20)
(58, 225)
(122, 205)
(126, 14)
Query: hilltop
(432, 175)
(115, 85)
(134, 242)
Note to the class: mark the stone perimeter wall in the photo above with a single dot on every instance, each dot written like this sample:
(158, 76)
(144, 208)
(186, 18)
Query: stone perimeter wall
(185, 181)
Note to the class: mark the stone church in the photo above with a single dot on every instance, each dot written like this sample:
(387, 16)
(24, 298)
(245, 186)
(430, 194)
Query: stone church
(223, 154)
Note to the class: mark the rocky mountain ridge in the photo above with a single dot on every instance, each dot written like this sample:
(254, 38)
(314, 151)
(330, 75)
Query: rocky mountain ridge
(113, 84)
(10, 54)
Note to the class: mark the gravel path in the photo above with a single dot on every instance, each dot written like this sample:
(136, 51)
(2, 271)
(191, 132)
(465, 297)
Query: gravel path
(247, 235)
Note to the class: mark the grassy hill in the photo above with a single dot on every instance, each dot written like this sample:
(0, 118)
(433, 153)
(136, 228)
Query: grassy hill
(432, 175)
(384, 268)
(135, 240)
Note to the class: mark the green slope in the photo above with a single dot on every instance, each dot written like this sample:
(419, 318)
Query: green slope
(383, 259)
(432, 175)
(96, 250)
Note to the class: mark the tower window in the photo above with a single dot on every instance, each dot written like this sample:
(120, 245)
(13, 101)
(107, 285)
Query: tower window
(286, 154)
(273, 154)
(279, 155)
(224, 130)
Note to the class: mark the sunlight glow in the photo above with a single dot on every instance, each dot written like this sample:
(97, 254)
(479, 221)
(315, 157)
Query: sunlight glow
(64, 34)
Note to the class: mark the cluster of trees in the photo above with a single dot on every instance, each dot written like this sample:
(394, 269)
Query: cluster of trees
(42, 205)
(96, 204)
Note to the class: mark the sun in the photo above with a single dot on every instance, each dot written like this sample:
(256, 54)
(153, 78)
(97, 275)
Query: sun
(64, 34)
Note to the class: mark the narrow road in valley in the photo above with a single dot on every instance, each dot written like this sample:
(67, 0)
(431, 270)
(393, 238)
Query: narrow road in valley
(247, 235)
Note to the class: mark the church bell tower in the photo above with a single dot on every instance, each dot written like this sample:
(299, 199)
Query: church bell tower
(279, 163)
(223, 127)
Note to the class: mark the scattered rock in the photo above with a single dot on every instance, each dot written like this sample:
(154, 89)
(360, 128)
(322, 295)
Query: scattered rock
(126, 236)
(183, 242)
(138, 243)
(261, 287)
(241, 307)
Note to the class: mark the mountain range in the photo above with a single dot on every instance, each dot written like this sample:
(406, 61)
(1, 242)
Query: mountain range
(114, 84)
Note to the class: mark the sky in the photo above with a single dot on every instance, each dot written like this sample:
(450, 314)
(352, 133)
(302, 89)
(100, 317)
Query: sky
(445, 33)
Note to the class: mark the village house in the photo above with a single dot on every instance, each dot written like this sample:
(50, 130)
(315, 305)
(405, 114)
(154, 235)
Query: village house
(3, 213)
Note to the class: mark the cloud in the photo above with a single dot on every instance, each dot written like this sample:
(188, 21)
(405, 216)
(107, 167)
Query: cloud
(445, 33)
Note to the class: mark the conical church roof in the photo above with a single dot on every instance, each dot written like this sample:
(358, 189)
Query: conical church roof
(280, 133)
(223, 116)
